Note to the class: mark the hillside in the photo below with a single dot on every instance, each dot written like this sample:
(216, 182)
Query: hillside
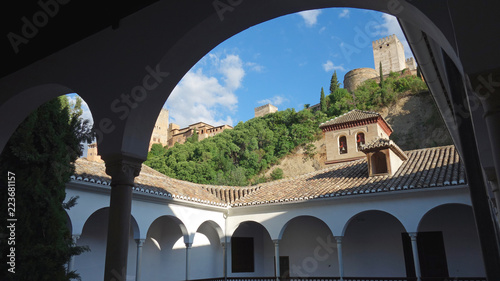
(413, 117)
(242, 156)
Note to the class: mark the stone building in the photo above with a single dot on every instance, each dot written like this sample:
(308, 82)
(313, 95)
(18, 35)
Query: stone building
(204, 130)
(346, 134)
(414, 223)
(390, 52)
(265, 109)
(160, 131)
(159, 135)
(92, 154)
(355, 77)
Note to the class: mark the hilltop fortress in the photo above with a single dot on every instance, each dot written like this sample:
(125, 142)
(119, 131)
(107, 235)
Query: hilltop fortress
(389, 52)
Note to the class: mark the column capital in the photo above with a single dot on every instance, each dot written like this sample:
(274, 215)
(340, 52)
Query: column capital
(140, 242)
(339, 239)
(122, 169)
(276, 241)
(188, 245)
(413, 235)
(75, 237)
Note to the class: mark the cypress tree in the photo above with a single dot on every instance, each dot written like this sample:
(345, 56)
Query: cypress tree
(334, 83)
(41, 155)
(381, 75)
(322, 101)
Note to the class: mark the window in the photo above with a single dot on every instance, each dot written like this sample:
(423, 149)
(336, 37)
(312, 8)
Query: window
(342, 145)
(379, 163)
(360, 140)
(242, 258)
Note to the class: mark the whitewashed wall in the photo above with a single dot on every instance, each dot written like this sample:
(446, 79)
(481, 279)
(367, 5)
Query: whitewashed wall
(311, 248)
(371, 226)
(461, 242)
(372, 246)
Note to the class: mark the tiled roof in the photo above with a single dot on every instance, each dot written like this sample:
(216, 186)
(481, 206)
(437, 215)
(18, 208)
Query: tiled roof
(381, 143)
(351, 116)
(149, 181)
(425, 168)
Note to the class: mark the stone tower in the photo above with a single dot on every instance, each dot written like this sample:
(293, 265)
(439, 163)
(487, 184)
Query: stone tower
(390, 52)
(159, 135)
(345, 134)
(265, 109)
(160, 131)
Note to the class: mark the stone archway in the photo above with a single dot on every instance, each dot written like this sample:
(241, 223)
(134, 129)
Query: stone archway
(372, 245)
(310, 247)
(207, 256)
(454, 224)
(90, 265)
(164, 251)
(251, 238)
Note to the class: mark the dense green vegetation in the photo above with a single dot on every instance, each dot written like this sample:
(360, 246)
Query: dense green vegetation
(38, 161)
(238, 156)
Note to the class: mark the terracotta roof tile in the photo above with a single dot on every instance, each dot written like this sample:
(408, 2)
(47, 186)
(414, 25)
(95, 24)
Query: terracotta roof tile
(353, 115)
(381, 143)
(431, 167)
(149, 181)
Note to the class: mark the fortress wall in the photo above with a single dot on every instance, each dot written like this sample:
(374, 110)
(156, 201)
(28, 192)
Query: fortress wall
(355, 77)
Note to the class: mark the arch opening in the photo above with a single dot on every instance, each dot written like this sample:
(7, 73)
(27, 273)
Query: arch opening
(252, 251)
(373, 245)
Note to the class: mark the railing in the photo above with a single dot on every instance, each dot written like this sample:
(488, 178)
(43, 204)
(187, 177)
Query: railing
(453, 278)
(311, 279)
(239, 279)
(380, 278)
(345, 279)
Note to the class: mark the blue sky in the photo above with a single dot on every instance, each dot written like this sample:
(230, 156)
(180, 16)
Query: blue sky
(284, 61)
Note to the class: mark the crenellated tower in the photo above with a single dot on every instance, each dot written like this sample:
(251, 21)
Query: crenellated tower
(390, 52)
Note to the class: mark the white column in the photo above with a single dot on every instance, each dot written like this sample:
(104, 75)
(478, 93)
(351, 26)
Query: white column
(224, 254)
(71, 265)
(139, 242)
(188, 246)
(339, 253)
(414, 248)
(277, 259)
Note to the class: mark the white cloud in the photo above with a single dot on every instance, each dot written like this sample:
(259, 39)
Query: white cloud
(391, 26)
(276, 100)
(201, 97)
(255, 66)
(344, 14)
(310, 17)
(329, 66)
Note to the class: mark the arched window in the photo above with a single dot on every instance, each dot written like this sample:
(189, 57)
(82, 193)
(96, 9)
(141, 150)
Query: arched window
(379, 163)
(360, 140)
(342, 145)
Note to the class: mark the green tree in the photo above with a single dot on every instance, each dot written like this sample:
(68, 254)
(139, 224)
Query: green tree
(277, 174)
(381, 74)
(193, 138)
(322, 101)
(334, 83)
(41, 154)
